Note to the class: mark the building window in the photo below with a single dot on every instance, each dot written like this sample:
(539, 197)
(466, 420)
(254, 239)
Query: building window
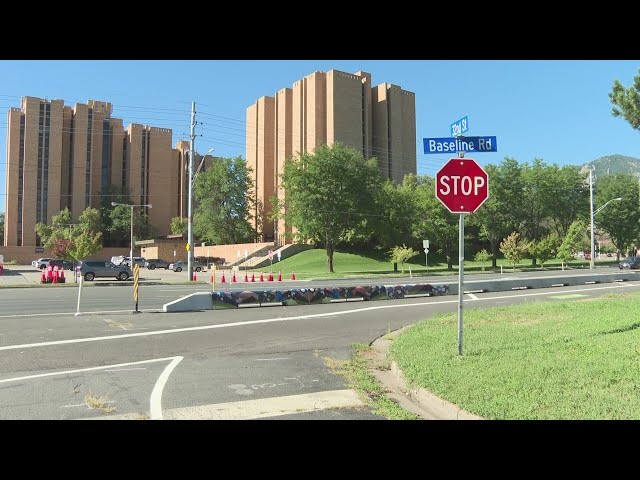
(45, 192)
(20, 180)
(39, 172)
(105, 155)
(87, 173)
(143, 164)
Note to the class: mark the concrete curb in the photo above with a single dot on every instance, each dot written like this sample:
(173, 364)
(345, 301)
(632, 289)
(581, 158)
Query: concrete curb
(425, 403)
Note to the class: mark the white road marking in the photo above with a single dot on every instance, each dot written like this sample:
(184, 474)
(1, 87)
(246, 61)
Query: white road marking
(76, 405)
(268, 407)
(67, 372)
(270, 359)
(26, 315)
(156, 394)
(472, 296)
(286, 319)
(124, 369)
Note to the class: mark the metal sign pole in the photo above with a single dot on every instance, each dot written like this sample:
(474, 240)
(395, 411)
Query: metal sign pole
(460, 276)
(461, 283)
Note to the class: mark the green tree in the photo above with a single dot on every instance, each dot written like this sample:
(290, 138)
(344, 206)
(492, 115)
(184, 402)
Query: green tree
(482, 256)
(545, 248)
(114, 236)
(434, 221)
(397, 208)
(1, 228)
(225, 206)
(179, 226)
(576, 239)
(120, 228)
(620, 219)
(329, 193)
(69, 240)
(537, 201)
(499, 215)
(514, 248)
(400, 254)
(627, 102)
(569, 194)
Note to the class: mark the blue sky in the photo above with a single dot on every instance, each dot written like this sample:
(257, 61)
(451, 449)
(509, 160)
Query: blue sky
(557, 110)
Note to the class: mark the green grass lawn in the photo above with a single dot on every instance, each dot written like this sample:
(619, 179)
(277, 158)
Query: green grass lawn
(312, 264)
(542, 360)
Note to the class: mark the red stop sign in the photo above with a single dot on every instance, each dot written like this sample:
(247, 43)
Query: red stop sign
(462, 185)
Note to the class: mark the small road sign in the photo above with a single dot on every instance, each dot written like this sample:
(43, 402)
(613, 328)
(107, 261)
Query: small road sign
(460, 126)
(462, 144)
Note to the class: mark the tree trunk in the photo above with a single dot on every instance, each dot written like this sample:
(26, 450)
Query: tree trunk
(395, 266)
(494, 254)
(330, 250)
(533, 261)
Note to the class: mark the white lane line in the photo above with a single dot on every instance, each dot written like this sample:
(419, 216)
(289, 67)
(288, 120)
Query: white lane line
(288, 319)
(76, 405)
(67, 372)
(268, 407)
(124, 369)
(270, 359)
(472, 296)
(156, 394)
(153, 310)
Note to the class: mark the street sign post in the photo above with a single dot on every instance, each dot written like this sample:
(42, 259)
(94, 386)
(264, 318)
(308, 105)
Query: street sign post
(460, 144)
(460, 126)
(462, 186)
(425, 245)
(279, 255)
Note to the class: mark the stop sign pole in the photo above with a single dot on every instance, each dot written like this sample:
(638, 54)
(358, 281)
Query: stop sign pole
(462, 186)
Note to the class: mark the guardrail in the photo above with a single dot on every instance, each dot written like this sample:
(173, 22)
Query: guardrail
(308, 295)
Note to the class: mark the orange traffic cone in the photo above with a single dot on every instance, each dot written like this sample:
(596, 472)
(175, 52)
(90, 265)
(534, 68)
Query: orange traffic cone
(271, 276)
(61, 274)
(293, 275)
(43, 278)
(253, 277)
(194, 277)
(55, 274)
(233, 279)
(261, 277)
(279, 276)
(246, 278)
(224, 280)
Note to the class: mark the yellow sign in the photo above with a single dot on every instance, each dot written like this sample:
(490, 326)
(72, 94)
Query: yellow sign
(136, 275)
(188, 247)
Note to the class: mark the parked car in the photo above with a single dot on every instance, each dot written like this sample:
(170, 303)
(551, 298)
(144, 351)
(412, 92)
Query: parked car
(41, 263)
(66, 264)
(91, 269)
(118, 260)
(630, 262)
(157, 263)
(136, 261)
(183, 265)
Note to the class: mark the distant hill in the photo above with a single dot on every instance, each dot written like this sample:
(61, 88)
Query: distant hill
(611, 164)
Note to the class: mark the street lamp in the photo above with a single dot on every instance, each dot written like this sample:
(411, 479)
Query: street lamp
(128, 205)
(190, 210)
(593, 214)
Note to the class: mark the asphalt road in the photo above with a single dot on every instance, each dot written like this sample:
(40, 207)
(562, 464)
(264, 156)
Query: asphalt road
(272, 362)
(103, 296)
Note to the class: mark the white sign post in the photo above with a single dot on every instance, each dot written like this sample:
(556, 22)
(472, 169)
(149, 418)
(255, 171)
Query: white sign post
(279, 255)
(425, 245)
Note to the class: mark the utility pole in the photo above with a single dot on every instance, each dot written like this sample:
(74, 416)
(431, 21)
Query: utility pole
(192, 154)
(591, 260)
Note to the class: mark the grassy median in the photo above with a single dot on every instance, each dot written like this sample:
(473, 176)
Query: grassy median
(312, 264)
(542, 360)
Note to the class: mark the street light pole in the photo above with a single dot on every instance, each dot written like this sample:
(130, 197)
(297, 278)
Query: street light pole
(593, 214)
(190, 202)
(113, 204)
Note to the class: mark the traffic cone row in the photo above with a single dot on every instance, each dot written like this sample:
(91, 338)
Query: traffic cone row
(53, 275)
(246, 277)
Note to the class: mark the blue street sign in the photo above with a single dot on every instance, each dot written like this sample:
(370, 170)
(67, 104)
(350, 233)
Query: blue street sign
(464, 144)
(459, 126)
